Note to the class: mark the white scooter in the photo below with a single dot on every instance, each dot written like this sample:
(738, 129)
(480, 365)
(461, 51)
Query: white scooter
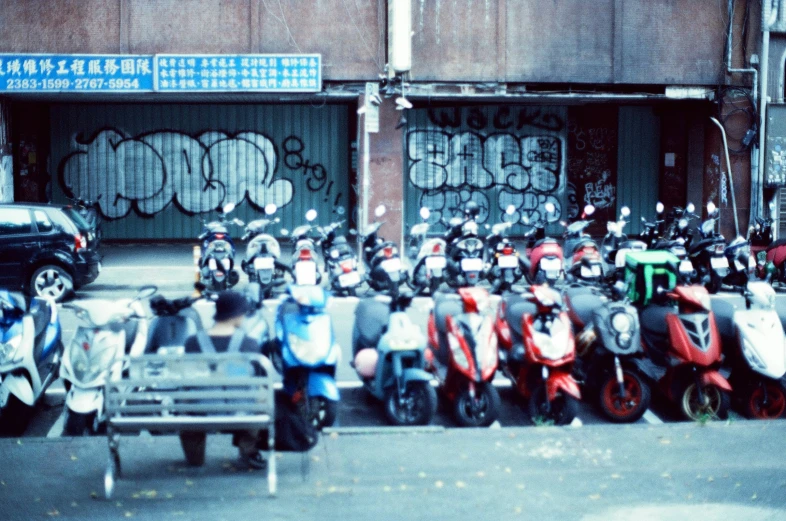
(428, 272)
(108, 330)
(756, 352)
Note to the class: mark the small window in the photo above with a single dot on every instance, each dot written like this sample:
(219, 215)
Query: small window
(15, 221)
(42, 221)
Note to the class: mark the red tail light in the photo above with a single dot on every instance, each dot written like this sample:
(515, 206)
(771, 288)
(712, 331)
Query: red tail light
(219, 236)
(437, 249)
(305, 255)
(388, 251)
(507, 250)
(80, 243)
(347, 266)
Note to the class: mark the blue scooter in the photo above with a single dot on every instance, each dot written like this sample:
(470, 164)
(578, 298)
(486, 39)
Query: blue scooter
(306, 353)
(30, 354)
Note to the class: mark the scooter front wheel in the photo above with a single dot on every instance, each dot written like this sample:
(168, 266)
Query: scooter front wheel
(561, 411)
(711, 403)
(15, 416)
(76, 423)
(766, 401)
(630, 407)
(323, 412)
(480, 411)
(416, 406)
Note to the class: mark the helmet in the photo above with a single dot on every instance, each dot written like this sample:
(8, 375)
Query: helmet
(366, 362)
(471, 209)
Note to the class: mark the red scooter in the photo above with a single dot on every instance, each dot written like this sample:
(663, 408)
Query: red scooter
(537, 353)
(682, 340)
(545, 253)
(463, 354)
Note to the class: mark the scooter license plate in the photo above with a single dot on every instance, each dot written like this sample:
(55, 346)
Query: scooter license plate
(473, 264)
(508, 261)
(719, 262)
(391, 265)
(686, 266)
(306, 273)
(436, 262)
(550, 265)
(264, 263)
(349, 279)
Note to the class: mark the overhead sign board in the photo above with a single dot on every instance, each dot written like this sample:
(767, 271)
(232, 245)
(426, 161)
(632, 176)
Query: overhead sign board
(26, 73)
(239, 73)
(75, 73)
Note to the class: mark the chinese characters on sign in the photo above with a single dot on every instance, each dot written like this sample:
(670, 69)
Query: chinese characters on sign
(164, 73)
(75, 73)
(240, 73)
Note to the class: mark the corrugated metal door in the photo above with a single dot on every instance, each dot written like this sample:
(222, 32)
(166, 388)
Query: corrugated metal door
(638, 163)
(160, 168)
(496, 155)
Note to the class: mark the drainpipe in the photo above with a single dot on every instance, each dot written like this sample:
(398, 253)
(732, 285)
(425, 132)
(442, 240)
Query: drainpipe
(728, 172)
(769, 16)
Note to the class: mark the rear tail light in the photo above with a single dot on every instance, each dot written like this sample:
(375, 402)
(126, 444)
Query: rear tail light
(80, 243)
(388, 251)
(219, 236)
(719, 248)
(437, 249)
(347, 265)
(305, 255)
(507, 250)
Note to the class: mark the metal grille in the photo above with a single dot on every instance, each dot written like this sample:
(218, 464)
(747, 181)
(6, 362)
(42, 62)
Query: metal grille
(698, 328)
(159, 168)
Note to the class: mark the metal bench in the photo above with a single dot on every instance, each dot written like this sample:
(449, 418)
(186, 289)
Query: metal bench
(192, 392)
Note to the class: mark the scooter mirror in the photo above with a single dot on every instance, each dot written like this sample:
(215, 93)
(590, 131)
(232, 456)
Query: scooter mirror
(589, 210)
(690, 208)
(340, 210)
(311, 215)
(550, 208)
(284, 232)
(425, 213)
(711, 208)
(146, 291)
(510, 210)
(659, 207)
(228, 208)
(380, 210)
(625, 211)
(270, 209)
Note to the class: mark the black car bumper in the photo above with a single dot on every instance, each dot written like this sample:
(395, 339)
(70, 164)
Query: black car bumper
(88, 267)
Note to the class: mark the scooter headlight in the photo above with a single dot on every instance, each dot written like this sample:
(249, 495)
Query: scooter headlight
(621, 322)
(309, 352)
(549, 348)
(9, 351)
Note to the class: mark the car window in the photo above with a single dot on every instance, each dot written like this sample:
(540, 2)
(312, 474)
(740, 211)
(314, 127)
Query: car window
(42, 221)
(15, 221)
(78, 219)
(62, 220)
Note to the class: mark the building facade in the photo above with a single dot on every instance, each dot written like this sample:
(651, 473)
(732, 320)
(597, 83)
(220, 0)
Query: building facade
(574, 102)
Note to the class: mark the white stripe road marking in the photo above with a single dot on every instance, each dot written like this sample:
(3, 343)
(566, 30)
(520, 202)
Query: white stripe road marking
(144, 267)
(57, 429)
(651, 418)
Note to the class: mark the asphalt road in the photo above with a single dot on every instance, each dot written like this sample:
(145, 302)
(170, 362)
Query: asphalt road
(170, 267)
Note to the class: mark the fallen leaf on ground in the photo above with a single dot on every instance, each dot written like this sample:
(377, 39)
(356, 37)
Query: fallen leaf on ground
(508, 470)
(594, 496)
(333, 435)
(118, 504)
(315, 458)
(74, 504)
(737, 485)
(615, 476)
(481, 474)
(169, 495)
(520, 486)
(402, 487)
(439, 484)
(189, 483)
(518, 510)
(754, 496)
(421, 474)
(710, 479)
(387, 488)
(460, 484)
(93, 494)
(665, 441)
(129, 514)
(666, 475)
(73, 458)
(54, 512)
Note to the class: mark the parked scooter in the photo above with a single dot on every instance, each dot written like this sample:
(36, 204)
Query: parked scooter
(306, 352)
(217, 263)
(680, 335)
(708, 253)
(463, 354)
(616, 245)
(585, 260)
(755, 348)
(465, 250)
(384, 271)
(608, 342)
(428, 273)
(389, 356)
(89, 211)
(545, 253)
(305, 270)
(537, 353)
(506, 268)
(107, 330)
(30, 354)
(341, 263)
(262, 254)
(742, 263)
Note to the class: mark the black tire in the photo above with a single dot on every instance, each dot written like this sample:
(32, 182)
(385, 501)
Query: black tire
(15, 416)
(51, 281)
(351, 292)
(714, 285)
(480, 412)
(629, 408)
(77, 423)
(561, 411)
(323, 412)
(193, 444)
(716, 406)
(419, 407)
(755, 406)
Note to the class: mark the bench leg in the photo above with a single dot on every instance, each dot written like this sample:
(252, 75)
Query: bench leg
(112, 473)
(272, 477)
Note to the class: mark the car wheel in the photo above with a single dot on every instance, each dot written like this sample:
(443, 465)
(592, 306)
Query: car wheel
(51, 281)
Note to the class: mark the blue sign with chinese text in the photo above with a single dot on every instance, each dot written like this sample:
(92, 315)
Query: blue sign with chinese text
(239, 73)
(76, 73)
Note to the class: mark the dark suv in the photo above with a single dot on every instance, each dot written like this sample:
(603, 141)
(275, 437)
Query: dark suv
(46, 250)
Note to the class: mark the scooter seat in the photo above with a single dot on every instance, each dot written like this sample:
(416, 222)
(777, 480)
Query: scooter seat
(583, 302)
(545, 241)
(371, 320)
(515, 307)
(446, 305)
(169, 332)
(776, 244)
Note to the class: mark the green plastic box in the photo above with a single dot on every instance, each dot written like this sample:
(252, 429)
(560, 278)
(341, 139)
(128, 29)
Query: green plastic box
(645, 271)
